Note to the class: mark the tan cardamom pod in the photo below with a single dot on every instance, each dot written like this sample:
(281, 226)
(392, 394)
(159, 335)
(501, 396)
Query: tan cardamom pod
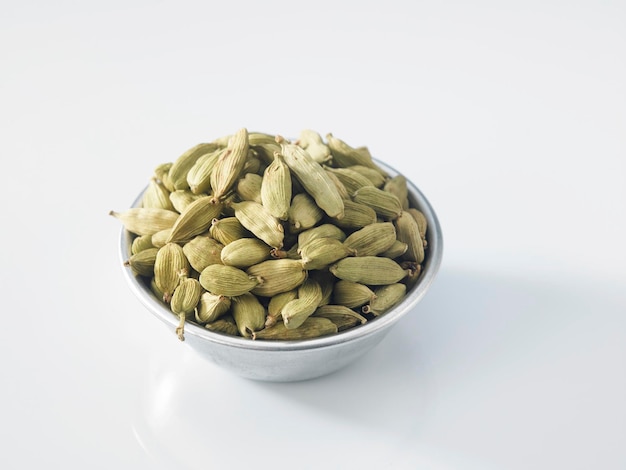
(248, 313)
(351, 180)
(369, 270)
(312, 327)
(140, 243)
(199, 175)
(160, 238)
(386, 297)
(313, 178)
(182, 165)
(340, 315)
(352, 294)
(184, 301)
(372, 239)
(276, 276)
(356, 216)
(225, 325)
(344, 155)
(296, 311)
(321, 231)
(156, 195)
(408, 232)
(203, 251)
(420, 218)
(396, 250)
(227, 229)
(248, 187)
(181, 198)
(312, 142)
(322, 252)
(375, 176)
(195, 219)
(384, 203)
(161, 173)
(145, 220)
(226, 280)
(276, 304)
(245, 252)
(397, 186)
(303, 213)
(256, 218)
(211, 307)
(142, 263)
(230, 164)
(170, 261)
(276, 188)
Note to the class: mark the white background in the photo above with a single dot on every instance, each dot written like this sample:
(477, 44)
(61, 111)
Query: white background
(509, 116)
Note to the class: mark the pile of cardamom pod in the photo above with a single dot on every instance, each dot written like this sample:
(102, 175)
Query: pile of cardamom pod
(256, 236)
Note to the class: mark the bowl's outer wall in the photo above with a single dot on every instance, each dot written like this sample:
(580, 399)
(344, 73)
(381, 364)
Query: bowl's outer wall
(283, 361)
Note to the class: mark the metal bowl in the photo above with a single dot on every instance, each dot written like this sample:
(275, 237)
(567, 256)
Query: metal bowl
(288, 361)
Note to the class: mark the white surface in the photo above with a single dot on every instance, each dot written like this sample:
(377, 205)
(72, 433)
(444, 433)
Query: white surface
(511, 118)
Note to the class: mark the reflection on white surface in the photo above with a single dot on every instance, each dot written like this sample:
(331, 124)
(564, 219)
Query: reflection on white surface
(488, 372)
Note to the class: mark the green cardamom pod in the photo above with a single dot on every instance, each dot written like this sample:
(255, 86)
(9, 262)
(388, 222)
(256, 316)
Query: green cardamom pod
(203, 251)
(296, 311)
(372, 239)
(145, 220)
(227, 229)
(245, 252)
(248, 313)
(199, 175)
(184, 301)
(398, 186)
(276, 304)
(225, 325)
(312, 327)
(140, 243)
(229, 165)
(352, 294)
(226, 280)
(248, 187)
(170, 262)
(211, 307)
(340, 315)
(276, 276)
(181, 198)
(256, 218)
(369, 270)
(182, 165)
(303, 213)
(156, 195)
(386, 297)
(142, 263)
(408, 232)
(313, 143)
(322, 252)
(351, 180)
(276, 188)
(195, 219)
(321, 231)
(356, 216)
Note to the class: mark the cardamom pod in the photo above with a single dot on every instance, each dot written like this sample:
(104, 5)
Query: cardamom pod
(422, 223)
(276, 275)
(303, 213)
(344, 155)
(228, 229)
(408, 232)
(226, 280)
(160, 238)
(276, 188)
(225, 325)
(322, 252)
(170, 262)
(245, 252)
(355, 216)
(230, 164)
(375, 176)
(184, 301)
(276, 304)
(386, 297)
(256, 218)
(321, 231)
(351, 180)
(211, 307)
(248, 187)
(195, 219)
(296, 311)
(156, 195)
(199, 175)
(396, 250)
(351, 294)
(203, 251)
(140, 243)
(312, 327)
(313, 178)
(398, 187)
(312, 142)
(145, 220)
(142, 263)
(369, 270)
(182, 165)
(248, 313)
(340, 315)
(385, 204)
(372, 239)
(181, 198)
